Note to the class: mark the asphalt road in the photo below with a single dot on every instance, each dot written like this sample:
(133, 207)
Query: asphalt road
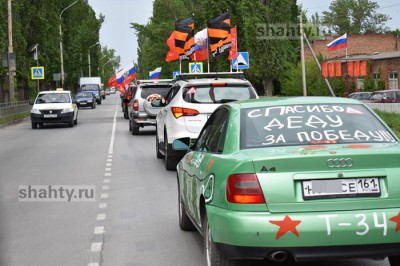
(133, 219)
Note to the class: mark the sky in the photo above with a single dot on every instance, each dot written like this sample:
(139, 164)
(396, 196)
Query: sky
(119, 14)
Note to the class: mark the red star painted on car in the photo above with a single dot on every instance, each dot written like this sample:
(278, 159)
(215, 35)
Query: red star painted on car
(396, 219)
(286, 225)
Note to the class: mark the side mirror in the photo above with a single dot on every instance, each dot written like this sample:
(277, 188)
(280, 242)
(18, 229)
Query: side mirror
(182, 144)
(31, 102)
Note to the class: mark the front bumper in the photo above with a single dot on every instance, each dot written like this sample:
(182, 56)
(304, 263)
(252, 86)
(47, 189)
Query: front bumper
(306, 236)
(61, 118)
(85, 104)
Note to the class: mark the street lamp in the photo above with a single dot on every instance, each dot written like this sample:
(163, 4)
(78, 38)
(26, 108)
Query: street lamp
(61, 44)
(104, 65)
(89, 56)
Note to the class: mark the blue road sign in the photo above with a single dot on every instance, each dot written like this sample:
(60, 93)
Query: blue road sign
(175, 73)
(37, 72)
(196, 67)
(242, 61)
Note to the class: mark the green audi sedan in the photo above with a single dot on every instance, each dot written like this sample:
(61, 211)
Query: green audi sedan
(298, 179)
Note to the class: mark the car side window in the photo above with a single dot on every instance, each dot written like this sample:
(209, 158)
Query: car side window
(397, 95)
(171, 94)
(212, 138)
(390, 95)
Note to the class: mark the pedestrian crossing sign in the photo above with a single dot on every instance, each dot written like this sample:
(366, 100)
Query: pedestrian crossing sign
(196, 67)
(37, 72)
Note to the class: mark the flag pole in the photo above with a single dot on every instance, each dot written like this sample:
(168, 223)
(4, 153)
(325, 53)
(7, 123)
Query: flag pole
(180, 65)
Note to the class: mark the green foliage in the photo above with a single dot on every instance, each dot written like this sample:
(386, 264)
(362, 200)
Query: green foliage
(355, 17)
(392, 120)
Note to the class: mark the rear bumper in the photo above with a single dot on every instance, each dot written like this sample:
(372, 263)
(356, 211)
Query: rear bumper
(143, 119)
(301, 254)
(306, 236)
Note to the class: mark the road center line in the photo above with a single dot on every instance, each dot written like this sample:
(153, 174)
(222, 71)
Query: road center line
(111, 147)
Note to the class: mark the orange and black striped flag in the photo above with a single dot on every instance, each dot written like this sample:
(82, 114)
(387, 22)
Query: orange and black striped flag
(184, 38)
(219, 34)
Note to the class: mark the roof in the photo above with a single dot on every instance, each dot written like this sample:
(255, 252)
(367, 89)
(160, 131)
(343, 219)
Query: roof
(41, 92)
(375, 56)
(278, 101)
(208, 81)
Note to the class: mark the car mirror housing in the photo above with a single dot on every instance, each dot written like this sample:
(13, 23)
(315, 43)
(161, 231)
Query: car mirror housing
(182, 144)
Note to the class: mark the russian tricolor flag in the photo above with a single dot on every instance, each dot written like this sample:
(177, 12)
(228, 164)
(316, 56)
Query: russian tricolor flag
(126, 75)
(338, 43)
(155, 74)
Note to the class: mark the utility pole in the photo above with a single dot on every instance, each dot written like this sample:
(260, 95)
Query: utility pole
(11, 67)
(303, 66)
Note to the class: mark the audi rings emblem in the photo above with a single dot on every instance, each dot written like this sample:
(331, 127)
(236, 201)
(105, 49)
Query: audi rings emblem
(340, 163)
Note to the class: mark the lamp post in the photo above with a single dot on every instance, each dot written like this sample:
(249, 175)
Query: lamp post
(61, 44)
(90, 74)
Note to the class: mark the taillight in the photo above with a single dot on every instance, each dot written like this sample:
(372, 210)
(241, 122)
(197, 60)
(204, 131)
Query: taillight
(179, 111)
(136, 105)
(244, 189)
(219, 84)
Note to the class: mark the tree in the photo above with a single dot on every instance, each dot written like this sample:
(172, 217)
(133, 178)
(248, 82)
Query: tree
(355, 17)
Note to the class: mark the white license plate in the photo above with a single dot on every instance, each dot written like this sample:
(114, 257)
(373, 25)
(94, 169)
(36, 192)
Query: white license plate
(50, 116)
(82, 103)
(338, 188)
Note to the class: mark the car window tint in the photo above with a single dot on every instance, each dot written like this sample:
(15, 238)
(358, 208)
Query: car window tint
(159, 89)
(311, 124)
(90, 87)
(390, 95)
(53, 98)
(212, 137)
(209, 94)
(171, 94)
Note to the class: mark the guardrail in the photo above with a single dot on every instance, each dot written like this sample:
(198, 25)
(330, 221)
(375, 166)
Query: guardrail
(9, 109)
(385, 107)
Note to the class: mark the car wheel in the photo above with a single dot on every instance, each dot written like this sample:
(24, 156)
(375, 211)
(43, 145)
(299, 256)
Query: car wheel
(93, 105)
(130, 125)
(170, 163)
(159, 154)
(135, 128)
(34, 125)
(99, 102)
(212, 255)
(126, 115)
(71, 123)
(76, 120)
(394, 260)
(184, 221)
(40, 124)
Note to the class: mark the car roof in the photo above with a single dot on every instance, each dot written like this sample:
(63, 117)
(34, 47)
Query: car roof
(47, 92)
(385, 91)
(278, 101)
(208, 81)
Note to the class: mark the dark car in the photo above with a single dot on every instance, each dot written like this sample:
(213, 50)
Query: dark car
(126, 98)
(385, 96)
(360, 95)
(85, 99)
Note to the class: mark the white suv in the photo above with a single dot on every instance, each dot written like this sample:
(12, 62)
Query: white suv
(189, 104)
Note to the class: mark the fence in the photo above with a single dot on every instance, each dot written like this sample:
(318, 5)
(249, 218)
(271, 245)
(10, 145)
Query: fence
(8, 109)
(385, 107)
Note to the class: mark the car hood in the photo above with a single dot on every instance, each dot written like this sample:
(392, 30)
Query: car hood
(282, 170)
(84, 98)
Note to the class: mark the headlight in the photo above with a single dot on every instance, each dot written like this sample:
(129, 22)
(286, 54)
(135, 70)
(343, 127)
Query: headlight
(89, 101)
(35, 111)
(67, 110)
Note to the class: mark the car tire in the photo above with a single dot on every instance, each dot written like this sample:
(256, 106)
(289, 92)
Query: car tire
(158, 153)
(130, 125)
(93, 105)
(170, 163)
(394, 260)
(135, 128)
(184, 221)
(71, 123)
(99, 102)
(40, 124)
(212, 255)
(126, 115)
(76, 120)
(34, 125)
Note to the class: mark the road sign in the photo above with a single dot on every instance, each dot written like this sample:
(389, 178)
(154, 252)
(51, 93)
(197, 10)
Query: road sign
(242, 61)
(196, 67)
(37, 72)
(175, 73)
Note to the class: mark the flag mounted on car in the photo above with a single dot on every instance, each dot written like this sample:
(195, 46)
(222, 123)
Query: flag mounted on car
(155, 74)
(184, 38)
(126, 75)
(201, 46)
(219, 33)
(233, 51)
(172, 55)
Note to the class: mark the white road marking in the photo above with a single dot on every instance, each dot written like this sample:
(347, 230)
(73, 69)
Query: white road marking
(96, 246)
(101, 216)
(105, 187)
(109, 160)
(107, 174)
(93, 264)
(99, 230)
(108, 169)
(104, 196)
(106, 180)
(109, 156)
(108, 164)
(111, 148)
(102, 205)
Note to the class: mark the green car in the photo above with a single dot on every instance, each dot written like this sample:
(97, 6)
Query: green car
(298, 179)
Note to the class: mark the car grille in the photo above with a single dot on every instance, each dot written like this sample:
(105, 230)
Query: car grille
(58, 112)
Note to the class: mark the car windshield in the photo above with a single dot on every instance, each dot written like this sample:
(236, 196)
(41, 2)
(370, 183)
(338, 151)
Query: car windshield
(90, 87)
(310, 124)
(218, 94)
(84, 94)
(157, 89)
(363, 96)
(53, 98)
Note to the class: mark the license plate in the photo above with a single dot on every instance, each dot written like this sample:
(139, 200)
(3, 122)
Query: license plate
(82, 103)
(340, 188)
(50, 116)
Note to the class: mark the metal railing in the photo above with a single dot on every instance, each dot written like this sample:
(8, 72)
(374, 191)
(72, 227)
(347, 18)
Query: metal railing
(385, 107)
(9, 109)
